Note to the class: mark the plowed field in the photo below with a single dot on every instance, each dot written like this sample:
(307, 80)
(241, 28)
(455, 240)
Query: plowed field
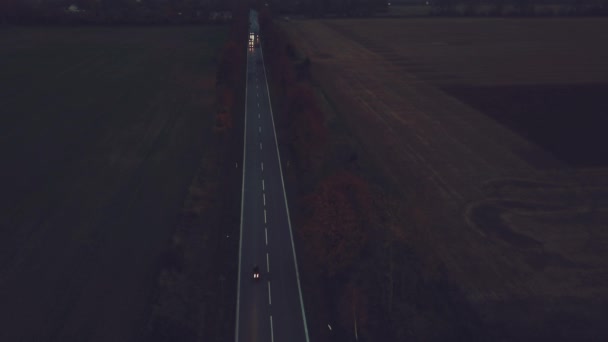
(500, 122)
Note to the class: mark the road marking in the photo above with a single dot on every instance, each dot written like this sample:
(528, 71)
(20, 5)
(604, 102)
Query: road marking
(260, 129)
(269, 296)
(263, 185)
(264, 215)
(262, 166)
(258, 115)
(267, 263)
(271, 331)
(238, 282)
(266, 237)
(293, 248)
(260, 146)
(258, 105)
(264, 195)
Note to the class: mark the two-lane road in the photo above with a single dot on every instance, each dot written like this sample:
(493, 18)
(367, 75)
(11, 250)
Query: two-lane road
(271, 308)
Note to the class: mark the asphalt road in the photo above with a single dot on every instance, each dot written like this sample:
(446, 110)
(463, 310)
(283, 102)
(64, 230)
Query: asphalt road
(268, 309)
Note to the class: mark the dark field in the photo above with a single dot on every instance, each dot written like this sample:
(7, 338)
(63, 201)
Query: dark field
(101, 132)
(568, 121)
(493, 129)
(545, 79)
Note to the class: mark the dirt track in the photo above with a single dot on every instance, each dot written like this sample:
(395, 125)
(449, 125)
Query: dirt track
(510, 233)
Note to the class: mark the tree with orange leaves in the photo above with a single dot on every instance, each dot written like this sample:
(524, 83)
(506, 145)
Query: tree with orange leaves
(223, 120)
(225, 103)
(225, 97)
(338, 228)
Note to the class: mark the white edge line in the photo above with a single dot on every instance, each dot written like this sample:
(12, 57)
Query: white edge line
(238, 282)
(293, 247)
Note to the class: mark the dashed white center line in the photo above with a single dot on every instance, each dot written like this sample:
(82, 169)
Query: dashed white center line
(267, 263)
(264, 215)
(263, 185)
(262, 166)
(258, 115)
(269, 296)
(266, 236)
(259, 129)
(271, 330)
(264, 196)
(258, 105)
(260, 146)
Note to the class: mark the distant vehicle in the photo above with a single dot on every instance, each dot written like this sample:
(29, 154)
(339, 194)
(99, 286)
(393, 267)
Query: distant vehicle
(254, 40)
(256, 272)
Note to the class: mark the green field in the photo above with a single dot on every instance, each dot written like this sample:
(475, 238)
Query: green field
(101, 132)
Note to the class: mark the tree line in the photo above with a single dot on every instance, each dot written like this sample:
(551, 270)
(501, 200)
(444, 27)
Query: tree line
(365, 8)
(319, 8)
(519, 7)
(115, 11)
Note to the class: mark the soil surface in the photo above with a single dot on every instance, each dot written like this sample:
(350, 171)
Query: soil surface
(452, 111)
